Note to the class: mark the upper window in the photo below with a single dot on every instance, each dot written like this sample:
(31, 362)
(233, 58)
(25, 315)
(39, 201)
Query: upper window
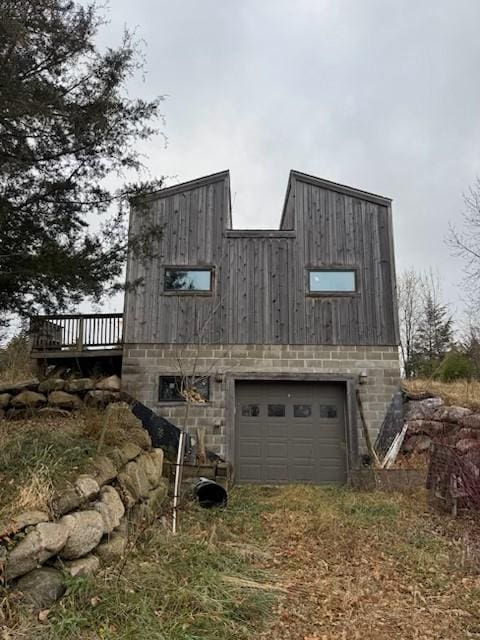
(188, 280)
(332, 281)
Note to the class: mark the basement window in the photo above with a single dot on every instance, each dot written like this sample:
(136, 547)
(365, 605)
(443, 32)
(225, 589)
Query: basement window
(188, 280)
(332, 281)
(179, 389)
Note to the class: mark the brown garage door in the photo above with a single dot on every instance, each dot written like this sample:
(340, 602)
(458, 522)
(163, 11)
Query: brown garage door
(290, 432)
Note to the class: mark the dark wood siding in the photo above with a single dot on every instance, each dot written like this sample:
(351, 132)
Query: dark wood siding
(260, 284)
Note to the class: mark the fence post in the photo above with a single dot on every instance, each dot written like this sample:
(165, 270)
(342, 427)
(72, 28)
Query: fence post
(80, 333)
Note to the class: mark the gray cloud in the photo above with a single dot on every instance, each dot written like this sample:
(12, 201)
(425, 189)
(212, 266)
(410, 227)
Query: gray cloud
(379, 94)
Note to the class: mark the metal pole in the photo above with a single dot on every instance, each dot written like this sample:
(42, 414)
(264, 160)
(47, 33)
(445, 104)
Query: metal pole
(178, 479)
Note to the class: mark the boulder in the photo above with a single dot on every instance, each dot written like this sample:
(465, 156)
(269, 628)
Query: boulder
(22, 521)
(134, 483)
(53, 412)
(148, 510)
(41, 587)
(86, 566)
(51, 384)
(423, 409)
(465, 444)
(64, 400)
(4, 399)
(112, 383)
(28, 399)
(430, 427)
(152, 464)
(16, 387)
(103, 470)
(417, 443)
(85, 530)
(121, 455)
(87, 486)
(42, 543)
(451, 414)
(472, 421)
(99, 398)
(74, 385)
(140, 436)
(113, 549)
(66, 501)
(110, 507)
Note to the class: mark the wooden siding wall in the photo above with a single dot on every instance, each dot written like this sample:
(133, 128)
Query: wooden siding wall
(260, 278)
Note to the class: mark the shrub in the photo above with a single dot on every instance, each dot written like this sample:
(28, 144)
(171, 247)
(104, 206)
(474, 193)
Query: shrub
(455, 366)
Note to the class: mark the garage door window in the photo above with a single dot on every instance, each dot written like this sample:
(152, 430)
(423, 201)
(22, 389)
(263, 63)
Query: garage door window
(276, 410)
(250, 410)
(328, 411)
(302, 410)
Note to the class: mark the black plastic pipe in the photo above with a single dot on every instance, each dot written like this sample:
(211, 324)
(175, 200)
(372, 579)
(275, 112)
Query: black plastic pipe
(209, 493)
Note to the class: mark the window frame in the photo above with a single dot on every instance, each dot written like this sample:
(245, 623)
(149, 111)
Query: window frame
(333, 294)
(188, 292)
(178, 401)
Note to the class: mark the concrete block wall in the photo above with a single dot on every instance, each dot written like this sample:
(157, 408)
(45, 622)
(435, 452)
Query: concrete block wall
(144, 363)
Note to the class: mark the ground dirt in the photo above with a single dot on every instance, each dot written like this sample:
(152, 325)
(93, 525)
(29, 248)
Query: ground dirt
(300, 563)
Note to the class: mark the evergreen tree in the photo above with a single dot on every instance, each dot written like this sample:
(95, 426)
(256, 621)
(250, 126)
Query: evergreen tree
(433, 338)
(66, 125)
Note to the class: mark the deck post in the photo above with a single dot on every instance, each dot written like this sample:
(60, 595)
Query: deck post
(81, 325)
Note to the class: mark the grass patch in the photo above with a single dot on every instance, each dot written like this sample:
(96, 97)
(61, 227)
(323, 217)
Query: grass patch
(197, 585)
(463, 393)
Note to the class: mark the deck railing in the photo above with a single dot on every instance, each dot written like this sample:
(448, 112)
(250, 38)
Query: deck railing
(76, 332)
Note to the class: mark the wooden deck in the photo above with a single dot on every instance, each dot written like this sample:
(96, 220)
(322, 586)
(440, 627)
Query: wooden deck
(76, 335)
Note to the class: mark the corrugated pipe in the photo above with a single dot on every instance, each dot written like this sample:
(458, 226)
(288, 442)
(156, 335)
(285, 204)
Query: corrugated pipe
(209, 493)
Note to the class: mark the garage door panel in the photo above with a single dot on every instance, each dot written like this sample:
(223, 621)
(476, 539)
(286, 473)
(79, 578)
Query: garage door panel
(296, 435)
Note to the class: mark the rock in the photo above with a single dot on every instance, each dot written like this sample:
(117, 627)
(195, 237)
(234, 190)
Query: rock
(140, 436)
(64, 400)
(451, 414)
(110, 507)
(74, 385)
(28, 399)
(41, 587)
(417, 443)
(423, 409)
(152, 465)
(2, 414)
(113, 549)
(22, 521)
(430, 427)
(86, 566)
(87, 486)
(99, 398)
(103, 470)
(16, 387)
(67, 501)
(472, 421)
(54, 412)
(51, 384)
(85, 530)
(147, 511)
(112, 383)
(125, 453)
(38, 545)
(4, 399)
(134, 483)
(465, 444)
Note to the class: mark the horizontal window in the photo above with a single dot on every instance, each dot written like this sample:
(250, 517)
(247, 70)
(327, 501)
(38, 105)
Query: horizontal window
(180, 389)
(188, 280)
(332, 281)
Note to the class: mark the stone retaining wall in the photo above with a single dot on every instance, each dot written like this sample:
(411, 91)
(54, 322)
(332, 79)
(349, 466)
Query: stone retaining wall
(88, 523)
(56, 395)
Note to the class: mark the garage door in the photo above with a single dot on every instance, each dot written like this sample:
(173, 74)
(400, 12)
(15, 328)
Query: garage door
(290, 432)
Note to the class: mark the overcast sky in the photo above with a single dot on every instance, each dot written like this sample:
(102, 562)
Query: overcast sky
(376, 94)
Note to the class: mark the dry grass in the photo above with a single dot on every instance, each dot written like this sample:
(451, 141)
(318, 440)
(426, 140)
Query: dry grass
(464, 393)
(15, 361)
(319, 564)
(38, 455)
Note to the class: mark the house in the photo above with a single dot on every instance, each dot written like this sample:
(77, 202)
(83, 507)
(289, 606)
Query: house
(275, 329)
